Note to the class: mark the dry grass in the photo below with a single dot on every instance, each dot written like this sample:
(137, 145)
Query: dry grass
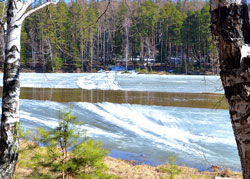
(129, 170)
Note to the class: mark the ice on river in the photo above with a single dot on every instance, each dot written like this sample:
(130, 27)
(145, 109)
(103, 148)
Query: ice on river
(128, 82)
(200, 136)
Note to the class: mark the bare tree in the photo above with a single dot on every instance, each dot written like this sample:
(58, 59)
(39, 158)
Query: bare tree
(9, 144)
(230, 29)
(127, 26)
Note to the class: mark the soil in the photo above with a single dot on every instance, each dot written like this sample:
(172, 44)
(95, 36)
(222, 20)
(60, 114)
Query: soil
(129, 170)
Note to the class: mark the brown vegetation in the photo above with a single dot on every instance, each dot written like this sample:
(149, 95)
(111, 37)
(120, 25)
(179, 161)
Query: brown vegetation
(130, 170)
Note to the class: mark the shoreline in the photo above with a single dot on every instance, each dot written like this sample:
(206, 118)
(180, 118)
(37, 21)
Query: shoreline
(127, 169)
(28, 70)
(139, 159)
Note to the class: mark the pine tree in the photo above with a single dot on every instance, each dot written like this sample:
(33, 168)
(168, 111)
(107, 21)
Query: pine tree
(64, 154)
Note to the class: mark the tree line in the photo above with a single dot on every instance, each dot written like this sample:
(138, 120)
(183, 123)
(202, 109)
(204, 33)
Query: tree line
(86, 36)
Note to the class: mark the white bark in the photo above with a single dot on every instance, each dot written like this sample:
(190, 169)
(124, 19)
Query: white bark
(9, 144)
(91, 49)
(127, 41)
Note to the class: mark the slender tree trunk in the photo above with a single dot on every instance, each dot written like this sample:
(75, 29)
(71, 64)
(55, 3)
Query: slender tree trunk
(91, 49)
(127, 41)
(9, 144)
(51, 55)
(42, 53)
(82, 50)
(104, 47)
(230, 29)
(142, 51)
(33, 52)
(170, 53)
(185, 58)
(98, 42)
(166, 49)
(161, 49)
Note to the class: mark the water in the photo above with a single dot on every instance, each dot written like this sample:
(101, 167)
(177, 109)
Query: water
(203, 136)
(136, 117)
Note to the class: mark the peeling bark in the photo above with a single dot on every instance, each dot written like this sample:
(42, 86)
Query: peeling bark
(230, 29)
(9, 143)
(10, 101)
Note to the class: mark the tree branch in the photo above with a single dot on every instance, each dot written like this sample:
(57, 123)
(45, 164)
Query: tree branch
(104, 12)
(24, 8)
(36, 9)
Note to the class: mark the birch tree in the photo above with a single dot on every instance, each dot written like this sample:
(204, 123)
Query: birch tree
(230, 29)
(17, 11)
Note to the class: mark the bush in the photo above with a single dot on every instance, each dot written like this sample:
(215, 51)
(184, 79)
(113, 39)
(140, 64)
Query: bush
(172, 169)
(55, 64)
(62, 156)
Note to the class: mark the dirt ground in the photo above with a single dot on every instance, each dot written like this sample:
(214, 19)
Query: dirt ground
(128, 170)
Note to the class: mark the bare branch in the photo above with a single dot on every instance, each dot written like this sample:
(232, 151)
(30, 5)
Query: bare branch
(36, 9)
(103, 12)
(24, 8)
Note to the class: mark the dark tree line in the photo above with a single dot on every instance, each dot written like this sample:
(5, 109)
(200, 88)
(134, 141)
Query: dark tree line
(78, 37)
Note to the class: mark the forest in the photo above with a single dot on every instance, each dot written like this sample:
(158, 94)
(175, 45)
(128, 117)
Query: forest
(86, 36)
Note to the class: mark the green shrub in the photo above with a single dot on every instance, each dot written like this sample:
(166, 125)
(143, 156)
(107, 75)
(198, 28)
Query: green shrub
(63, 156)
(138, 70)
(206, 177)
(55, 64)
(172, 169)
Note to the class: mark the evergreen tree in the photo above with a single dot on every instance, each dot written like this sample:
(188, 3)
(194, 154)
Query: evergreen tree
(63, 156)
(68, 35)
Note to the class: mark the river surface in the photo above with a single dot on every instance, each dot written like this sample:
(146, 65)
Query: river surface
(142, 117)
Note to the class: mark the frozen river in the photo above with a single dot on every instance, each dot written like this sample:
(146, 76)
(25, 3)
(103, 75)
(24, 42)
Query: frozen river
(143, 117)
(126, 82)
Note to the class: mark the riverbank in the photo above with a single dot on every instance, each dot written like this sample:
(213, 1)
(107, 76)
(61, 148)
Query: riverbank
(130, 169)
(138, 70)
(126, 169)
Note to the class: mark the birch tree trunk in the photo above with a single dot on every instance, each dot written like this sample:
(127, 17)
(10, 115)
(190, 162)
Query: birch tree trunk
(230, 29)
(9, 145)
(104, 48)
(10, 100)
(98, 43)
(91, 49)
(127, 42)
